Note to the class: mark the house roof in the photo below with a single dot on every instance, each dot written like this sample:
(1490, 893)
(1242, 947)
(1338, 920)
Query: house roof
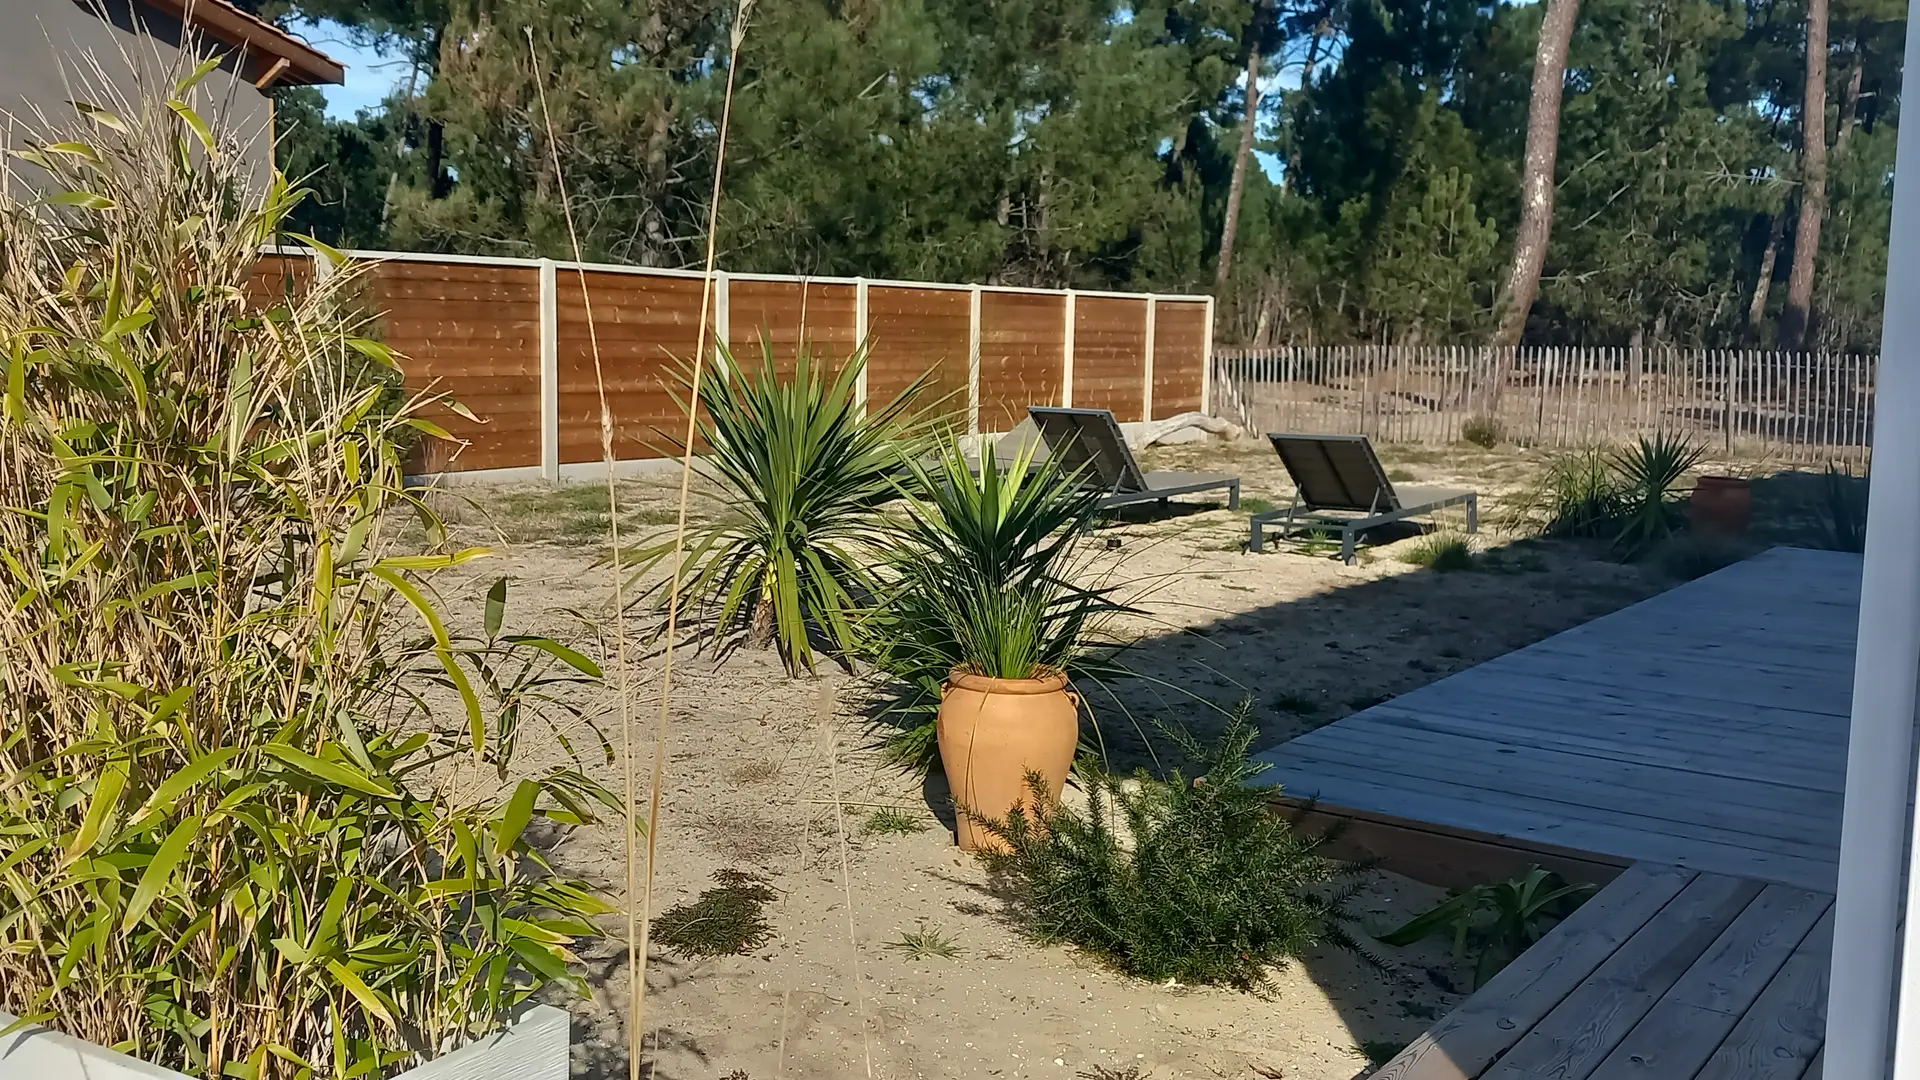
(277, 57)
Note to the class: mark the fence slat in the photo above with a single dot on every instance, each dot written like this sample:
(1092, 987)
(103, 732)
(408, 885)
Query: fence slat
(1794, 405)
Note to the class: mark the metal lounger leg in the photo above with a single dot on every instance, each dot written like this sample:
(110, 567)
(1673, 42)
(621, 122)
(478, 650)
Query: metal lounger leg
(1347, 538)
(1233, 496)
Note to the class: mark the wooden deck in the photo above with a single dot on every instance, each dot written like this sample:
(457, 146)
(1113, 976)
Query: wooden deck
(1704, 728)
(1666, 974)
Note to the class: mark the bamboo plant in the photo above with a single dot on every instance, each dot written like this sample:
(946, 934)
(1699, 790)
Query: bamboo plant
(231, 710)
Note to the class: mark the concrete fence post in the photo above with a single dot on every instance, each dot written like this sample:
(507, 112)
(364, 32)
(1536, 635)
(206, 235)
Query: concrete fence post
(860, 341)
(722, 314)
(1146, 377)
(973, 360)
(1206, 364)
(1066, 360)
(549, 371)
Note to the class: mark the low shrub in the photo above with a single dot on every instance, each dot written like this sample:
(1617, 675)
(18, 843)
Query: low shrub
(1630, 497)
(1197, 880)
(1483, 431)
(1441, 551)
(1577, 497)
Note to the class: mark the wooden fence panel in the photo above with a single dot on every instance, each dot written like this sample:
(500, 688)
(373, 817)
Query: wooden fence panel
(1023, 340)
(789, 314)
(1179, 356)
(1110, 355)
(645, 325)
(913, 331)
(471, 331)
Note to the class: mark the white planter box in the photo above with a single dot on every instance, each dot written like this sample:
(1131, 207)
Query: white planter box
(533, 1046)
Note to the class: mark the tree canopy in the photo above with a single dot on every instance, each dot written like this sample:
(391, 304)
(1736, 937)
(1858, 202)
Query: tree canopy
(1090, 143)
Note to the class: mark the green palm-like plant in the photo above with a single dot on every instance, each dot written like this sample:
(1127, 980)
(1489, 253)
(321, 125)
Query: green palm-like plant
(1649, 475)
(807, 471)
(986, 576)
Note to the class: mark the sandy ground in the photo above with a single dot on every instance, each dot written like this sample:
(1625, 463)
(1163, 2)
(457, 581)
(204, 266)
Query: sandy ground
(774, 775)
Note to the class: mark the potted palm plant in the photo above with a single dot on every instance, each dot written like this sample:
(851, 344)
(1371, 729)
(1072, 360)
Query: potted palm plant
(985, 598)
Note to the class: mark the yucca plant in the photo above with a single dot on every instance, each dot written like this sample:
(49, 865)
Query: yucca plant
(1842, 510)
(232, 718)
(806, 469)
(1649, 474)
(988, 574)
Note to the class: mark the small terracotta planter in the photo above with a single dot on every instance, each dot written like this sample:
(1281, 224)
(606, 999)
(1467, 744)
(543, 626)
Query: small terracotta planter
(992, 733)
(1722, 504)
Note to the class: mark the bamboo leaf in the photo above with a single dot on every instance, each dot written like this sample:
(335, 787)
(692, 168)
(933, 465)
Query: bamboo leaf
(87, 200)
(578, 661)
(496, 607)
(192, 79)
(514, 819)
(198, 123)
(160, 871)
(106, 796)
(161, 802)
(369, 998)
(333, 772)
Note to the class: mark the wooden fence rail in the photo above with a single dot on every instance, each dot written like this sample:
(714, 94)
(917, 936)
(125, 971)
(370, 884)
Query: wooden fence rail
(1790, 405)
(509, 339)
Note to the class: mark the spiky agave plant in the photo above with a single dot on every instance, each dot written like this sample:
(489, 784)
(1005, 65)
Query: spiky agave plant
(805, 469)
(989, 574)
(1649, 474)
(230, 711)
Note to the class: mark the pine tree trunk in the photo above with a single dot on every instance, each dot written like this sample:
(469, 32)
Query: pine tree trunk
(1536, 184)
(1256, 30)
(1762, 288)
(1850, 99)
(1813, 185)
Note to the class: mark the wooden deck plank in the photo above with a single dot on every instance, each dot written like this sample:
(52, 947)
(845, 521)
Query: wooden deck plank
(1523, 821)
(1573, 1039)
(1780, 1036)
(1704, 727)
(1486, 1025)
(1684, 1029)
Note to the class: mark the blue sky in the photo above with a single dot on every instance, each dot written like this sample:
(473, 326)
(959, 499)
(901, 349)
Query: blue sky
(369, 75)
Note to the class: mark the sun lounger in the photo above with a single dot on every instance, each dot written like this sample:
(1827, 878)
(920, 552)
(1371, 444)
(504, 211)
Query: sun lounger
(1339, 484)
(1089, 439)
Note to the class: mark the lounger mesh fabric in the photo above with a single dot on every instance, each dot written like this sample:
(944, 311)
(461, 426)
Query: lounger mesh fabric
(1341, 475)
(1090, 440)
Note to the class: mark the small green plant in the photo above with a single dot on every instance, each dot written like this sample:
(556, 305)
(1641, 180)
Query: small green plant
(1495, 923)
(1577, 497)
(888, 821)
(1175, 879)
(1441, 551)
(1483, 431)
(926, 942)
(806, 470)
(1842, 510)
(1256, 505)
(1315, 543)
(984, 575)
(726, 920)
(1649, 474)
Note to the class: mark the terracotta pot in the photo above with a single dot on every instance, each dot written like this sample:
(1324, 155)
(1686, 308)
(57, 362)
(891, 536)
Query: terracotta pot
(992, 733)
(1721, 504)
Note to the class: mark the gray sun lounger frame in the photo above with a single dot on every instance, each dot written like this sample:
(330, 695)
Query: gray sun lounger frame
(1336, 477)
(1091, 439)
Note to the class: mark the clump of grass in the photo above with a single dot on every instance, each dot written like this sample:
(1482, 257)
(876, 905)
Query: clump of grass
(1295, 702)
(1198, 881)
(888, 821)
(1842, 510)
(926, 942)
(1257, 505)
(1441, 551)
(1401, 475)
(754, 772)
(726, 920)
(1484, 432)
(1577, 497)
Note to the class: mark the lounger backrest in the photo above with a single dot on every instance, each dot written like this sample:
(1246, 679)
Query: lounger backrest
(1089, 440)
(1336, 472)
